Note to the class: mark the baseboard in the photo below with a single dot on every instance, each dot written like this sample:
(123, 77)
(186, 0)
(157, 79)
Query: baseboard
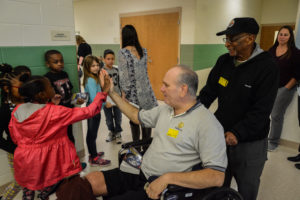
(288, 143)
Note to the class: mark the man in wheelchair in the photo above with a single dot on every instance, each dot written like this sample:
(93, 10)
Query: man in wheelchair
(185, 134)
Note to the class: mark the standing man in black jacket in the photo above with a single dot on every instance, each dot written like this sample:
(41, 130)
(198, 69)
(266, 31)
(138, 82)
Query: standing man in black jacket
(245, 81)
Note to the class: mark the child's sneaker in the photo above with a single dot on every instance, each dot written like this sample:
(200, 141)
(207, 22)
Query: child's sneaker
(110, 137)
(118, 138)
(99, 161)
(100, 154)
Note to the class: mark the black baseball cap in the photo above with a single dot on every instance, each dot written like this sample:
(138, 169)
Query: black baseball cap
(241, 25)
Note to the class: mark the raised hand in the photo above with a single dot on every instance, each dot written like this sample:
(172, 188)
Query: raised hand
(101, 77)
(107, 83)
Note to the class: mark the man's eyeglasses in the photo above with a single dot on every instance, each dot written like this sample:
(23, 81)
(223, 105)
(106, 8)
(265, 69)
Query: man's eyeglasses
(235, 39)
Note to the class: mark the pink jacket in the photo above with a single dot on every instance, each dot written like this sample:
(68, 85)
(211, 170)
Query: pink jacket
(44, 154)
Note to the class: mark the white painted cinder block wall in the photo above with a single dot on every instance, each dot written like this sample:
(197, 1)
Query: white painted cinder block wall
(29, 23)
(98, 22)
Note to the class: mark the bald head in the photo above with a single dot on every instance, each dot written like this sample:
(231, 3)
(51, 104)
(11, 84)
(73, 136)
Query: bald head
(188, 77)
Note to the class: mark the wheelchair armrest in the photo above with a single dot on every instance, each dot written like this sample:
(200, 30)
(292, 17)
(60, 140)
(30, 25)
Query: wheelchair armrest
(203, 194)
(137, 143)
(176, 188)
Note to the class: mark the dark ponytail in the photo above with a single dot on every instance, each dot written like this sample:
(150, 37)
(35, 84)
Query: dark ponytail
(31, 87)
(130, 38)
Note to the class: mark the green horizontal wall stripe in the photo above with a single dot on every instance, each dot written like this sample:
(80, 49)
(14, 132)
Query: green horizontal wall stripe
(198, 56)
(187, 54)
(206, 55)
(33, 57)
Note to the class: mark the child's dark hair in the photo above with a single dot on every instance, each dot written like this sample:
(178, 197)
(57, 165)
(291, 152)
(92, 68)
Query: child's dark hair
(5, 70)
(21, 69)
(108, 51)
(7, 74)
(50, 53)
(32, 87)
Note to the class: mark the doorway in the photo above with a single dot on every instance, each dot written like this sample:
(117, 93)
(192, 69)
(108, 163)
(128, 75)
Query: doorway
(158, 32)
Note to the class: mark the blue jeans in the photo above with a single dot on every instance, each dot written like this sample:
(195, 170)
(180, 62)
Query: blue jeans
(92, 132)
(113, 119)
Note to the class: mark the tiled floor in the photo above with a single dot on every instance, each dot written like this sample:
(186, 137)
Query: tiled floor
(280, 179)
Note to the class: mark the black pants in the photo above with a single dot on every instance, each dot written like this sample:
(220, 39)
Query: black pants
(70, 129)
(92, 132)
(245, 163)
(70, 134)
(124, 186)
(135, 131)
(113, 118)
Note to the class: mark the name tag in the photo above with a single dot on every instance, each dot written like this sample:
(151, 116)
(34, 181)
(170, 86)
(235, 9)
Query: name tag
(223, 81)
(172, 133)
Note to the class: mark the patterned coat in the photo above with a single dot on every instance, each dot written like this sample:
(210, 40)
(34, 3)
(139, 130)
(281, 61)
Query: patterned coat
(134, 80)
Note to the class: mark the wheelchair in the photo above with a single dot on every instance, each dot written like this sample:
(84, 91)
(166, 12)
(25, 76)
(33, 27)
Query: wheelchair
(174, 192)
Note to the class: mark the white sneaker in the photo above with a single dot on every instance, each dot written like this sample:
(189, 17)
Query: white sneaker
(110, 137)
(118, 138)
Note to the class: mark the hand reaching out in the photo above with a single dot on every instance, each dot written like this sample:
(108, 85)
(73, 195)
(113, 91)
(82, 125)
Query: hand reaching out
(105, 81)
(101, 77)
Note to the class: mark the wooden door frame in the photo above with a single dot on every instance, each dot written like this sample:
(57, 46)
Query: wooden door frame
(153, 12)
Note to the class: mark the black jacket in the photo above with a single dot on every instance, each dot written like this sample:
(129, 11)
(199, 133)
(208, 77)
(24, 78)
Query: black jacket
(5, 142)
(245, 93)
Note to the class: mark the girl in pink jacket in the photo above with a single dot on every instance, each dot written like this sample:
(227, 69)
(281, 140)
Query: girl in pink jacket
(45, 155)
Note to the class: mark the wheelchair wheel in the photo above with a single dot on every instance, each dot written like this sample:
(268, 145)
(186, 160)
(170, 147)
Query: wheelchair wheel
(222, 194)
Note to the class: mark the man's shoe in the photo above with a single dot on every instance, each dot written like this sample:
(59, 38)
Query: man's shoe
(294, 158)
(118, 138)
(111, 136)
(297, 165)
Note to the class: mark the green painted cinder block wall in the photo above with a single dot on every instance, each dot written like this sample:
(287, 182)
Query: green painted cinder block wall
(201, 56)
(198, 56)
(33, 57)
(206, 55)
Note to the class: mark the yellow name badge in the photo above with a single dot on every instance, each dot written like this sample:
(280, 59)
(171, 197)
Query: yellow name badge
(172, 133)
(223, 81)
